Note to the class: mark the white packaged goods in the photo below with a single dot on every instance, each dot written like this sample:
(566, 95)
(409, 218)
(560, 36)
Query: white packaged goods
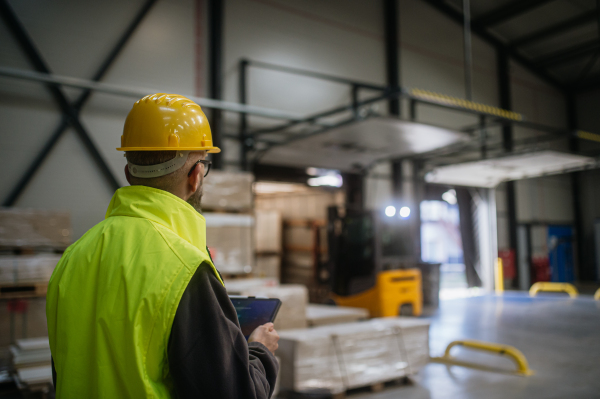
(268, 266)
(228, 191)
(294, 299)
(239, 286)
(34, 228)
(27, 268)
(321, 315)
(345, 356)
(268, 231)
(229, 238)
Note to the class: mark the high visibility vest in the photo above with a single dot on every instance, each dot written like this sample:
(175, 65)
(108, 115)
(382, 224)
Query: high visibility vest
(113, 296)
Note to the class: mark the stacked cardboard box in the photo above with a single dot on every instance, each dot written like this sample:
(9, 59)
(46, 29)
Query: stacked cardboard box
(268, 244)
(229, 191)
(346, 356)
(34, 228)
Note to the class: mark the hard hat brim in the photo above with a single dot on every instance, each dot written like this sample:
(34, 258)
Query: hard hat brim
(210, 150)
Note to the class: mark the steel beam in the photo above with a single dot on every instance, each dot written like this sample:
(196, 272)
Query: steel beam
(137, 92)
(569, 54)
(71, 114)
(392, 53)
(555, 29)
(482, 32)
(508, 11)
(316, 75)
(215, 72)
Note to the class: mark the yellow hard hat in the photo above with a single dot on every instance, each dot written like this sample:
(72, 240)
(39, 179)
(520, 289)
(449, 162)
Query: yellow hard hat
(166, 122)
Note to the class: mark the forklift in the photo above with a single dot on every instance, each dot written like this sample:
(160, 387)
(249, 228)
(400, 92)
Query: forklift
(371, 264)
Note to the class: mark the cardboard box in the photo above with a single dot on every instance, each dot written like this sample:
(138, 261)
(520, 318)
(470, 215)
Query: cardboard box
(228, 191)
(229, 239)
(34, 228)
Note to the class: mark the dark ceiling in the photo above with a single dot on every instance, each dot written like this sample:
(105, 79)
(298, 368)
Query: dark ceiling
(558, 40)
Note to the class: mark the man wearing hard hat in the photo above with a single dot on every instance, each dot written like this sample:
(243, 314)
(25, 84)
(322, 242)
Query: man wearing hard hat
(136, 307)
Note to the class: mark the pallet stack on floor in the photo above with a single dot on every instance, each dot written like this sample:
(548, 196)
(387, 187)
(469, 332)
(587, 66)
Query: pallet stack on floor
(336, 358)
(31, 364)
(31, 244)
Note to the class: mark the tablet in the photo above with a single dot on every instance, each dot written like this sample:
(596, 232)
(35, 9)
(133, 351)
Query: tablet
(254, 312)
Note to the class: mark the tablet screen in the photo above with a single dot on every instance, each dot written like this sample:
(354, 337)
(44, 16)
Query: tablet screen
(254, 312)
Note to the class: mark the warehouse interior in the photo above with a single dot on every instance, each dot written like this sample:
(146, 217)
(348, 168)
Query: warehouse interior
(447, 151)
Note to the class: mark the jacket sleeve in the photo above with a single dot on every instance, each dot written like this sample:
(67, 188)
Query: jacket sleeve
(208, 354)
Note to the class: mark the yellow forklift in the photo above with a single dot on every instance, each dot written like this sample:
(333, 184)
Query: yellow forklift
(372, 264)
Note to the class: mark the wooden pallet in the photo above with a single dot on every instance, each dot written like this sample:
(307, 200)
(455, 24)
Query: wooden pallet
(23, 290)
(376, 387)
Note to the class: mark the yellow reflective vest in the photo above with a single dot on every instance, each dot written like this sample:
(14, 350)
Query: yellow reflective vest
(112, 298)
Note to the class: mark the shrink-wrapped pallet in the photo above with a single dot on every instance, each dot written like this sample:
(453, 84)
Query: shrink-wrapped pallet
(346, 356)
(229, 239)
(34, 228)
(230, 191)
(321, 315)
(27, 269)
(268, 231)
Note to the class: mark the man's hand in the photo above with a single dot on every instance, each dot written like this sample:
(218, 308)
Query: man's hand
(267, 336)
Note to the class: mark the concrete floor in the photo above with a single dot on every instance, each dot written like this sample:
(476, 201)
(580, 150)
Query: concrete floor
(559, 336)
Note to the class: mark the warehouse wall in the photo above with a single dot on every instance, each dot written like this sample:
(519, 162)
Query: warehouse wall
(168, 53)
(74, 37)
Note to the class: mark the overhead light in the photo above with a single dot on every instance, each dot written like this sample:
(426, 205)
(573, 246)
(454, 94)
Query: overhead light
(390, 211)
(329, 180)
(450, 197)
(404, 212)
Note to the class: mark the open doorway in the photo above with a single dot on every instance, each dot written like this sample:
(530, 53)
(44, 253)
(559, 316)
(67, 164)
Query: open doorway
(441, 243)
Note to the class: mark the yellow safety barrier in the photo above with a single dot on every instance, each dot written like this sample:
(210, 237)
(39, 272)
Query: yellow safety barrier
(503, 350)
(461, 103)
(553, 287)
(597, 295)
(499, 277)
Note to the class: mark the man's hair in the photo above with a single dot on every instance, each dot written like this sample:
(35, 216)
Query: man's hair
(144, 158)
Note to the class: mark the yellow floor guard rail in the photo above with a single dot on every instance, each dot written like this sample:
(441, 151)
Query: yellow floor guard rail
(553, 287)
(597, 295)
(503, 350)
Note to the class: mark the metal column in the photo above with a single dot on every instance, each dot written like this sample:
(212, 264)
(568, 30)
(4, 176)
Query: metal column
(504, 89)
(215, 72)
(582, 271)
(390, 21)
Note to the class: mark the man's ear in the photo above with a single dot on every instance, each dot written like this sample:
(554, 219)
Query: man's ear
(127, 175)
(194, 179)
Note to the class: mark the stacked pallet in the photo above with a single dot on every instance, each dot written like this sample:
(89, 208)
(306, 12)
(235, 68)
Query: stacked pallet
(31, 243)
(345, 356)
(227, 207)
(31, 364)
